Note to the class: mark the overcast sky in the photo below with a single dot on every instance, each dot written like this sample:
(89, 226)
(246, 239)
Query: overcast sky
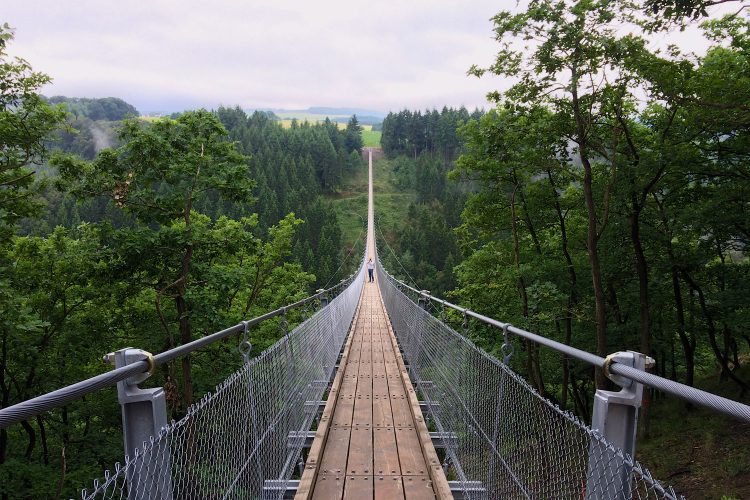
(169, 55)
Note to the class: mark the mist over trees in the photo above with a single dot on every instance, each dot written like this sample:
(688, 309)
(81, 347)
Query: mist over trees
(106, 108)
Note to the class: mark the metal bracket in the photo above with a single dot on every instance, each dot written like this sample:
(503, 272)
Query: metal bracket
(424, 299)
(616, 419)
(144, 414)
(144, 411)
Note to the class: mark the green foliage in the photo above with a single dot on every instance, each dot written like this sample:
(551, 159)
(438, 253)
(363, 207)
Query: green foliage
(164, 274)
(353, 135)
(25, 121)
(371, 138)
(411, 133)
(162, 168)
(107, 108)
(612, 194)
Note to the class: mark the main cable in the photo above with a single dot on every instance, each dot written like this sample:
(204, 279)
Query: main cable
(359, 236)
(377, 228)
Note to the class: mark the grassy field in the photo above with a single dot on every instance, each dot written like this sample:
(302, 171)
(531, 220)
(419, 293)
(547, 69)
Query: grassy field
(311, 117)
(351, 201)
(351, 205)
(287, 123)
(371, 137)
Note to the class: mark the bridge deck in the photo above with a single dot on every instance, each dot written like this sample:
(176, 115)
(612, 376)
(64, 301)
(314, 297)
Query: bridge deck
(372, 441)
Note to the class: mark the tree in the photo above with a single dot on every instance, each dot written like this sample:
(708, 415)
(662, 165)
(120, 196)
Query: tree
(25, 122)
(680, 9)
(157, 176)
(571, 69)
(353, 135)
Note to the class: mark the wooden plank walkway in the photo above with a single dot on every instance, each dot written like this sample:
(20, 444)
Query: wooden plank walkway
(372, 441)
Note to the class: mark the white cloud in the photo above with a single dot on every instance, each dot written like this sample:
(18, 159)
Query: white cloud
(167, 54)
(170, 54)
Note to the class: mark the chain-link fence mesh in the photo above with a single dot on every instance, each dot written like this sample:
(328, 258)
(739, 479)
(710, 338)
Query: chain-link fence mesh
(244, 439)
(506, 441)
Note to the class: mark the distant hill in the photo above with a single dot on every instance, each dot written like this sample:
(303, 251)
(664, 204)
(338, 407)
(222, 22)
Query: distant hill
(340, 115)
(106, 108)
(320, 110)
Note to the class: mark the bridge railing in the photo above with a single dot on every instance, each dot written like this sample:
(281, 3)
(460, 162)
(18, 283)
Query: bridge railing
(235, 439)
(502, 439)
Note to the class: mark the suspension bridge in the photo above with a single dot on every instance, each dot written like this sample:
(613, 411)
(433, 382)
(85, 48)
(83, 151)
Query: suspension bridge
(373, 396)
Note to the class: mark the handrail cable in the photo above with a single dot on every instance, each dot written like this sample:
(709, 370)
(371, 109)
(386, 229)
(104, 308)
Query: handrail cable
(682, 391)
(60, 397)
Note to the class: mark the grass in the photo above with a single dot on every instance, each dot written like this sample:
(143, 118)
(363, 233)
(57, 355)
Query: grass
(371, 137)
(390, 203)
(351, 205)
(351, 201)
(700, 453)
(311, 117)
(287, 123)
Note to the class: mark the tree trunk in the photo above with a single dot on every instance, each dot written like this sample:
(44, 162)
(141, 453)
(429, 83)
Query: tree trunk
(687, 346)
(579, 397)
(641, 268)
(43, 435)
(572, 294)
(185, 331)
(592, 236)
(32, 438)
(532, 361)
(712, 334)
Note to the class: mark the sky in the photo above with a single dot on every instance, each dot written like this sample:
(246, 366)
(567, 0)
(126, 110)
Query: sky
(164, 55)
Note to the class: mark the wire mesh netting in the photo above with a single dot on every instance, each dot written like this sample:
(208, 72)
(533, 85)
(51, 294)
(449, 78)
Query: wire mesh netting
(506, 441)
(249, 433)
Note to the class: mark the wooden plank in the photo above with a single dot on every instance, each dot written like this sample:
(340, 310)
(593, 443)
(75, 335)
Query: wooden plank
(388, 488)
(410, 452)
(385, 451)
(400, 409)
(382, 414)
(429, 456)
(418, 488)
(359, 461)
(342, 415)
(329, 486)
(336, 451)
(374, 440)
(358, 488)
(310, 477)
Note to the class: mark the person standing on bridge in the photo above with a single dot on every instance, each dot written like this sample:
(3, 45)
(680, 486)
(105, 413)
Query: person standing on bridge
(370, 270)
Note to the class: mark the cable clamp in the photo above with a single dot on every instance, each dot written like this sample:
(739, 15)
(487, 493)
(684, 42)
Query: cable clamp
(507, 348)
(628, 358)
(128, 356)
(245, 346)
(151, 363)
(607, 363)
